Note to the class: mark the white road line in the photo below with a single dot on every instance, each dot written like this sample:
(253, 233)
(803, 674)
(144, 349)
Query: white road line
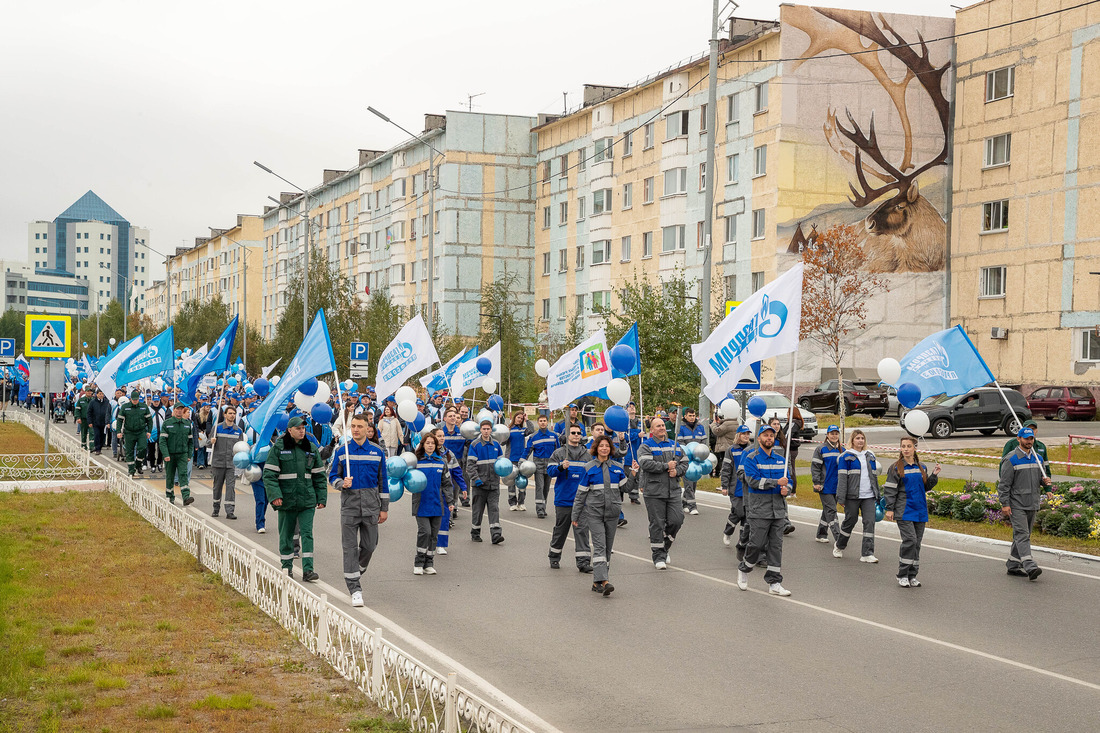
(856, 619)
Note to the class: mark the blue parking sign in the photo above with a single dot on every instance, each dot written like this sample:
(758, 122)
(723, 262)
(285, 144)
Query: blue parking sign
(359, 350)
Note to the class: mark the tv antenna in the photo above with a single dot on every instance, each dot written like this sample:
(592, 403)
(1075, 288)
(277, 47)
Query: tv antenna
(470, 100)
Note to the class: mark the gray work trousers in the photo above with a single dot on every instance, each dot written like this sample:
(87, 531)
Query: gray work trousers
(602, 532)
(516, 496)
(912, 533)
(853, 508)
(689, 495)
(1019, 556)
(228, 477)
(542, 484)
(666, 516)
(485, 498)
(736, 517)
(358, 538)
(427, 537)
(828, 517)
(563, 520)
(765, 538)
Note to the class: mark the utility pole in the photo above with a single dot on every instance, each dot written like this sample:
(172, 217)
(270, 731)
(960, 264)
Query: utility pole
(708, 219)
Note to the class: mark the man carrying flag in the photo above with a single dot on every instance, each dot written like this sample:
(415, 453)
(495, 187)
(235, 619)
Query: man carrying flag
(294, 479)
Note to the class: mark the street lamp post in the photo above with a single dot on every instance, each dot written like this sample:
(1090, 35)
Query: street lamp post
(244, 279)
(309, 242)
(431, 212)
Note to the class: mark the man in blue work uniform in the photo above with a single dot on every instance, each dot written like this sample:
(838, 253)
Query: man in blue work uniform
(766, 481)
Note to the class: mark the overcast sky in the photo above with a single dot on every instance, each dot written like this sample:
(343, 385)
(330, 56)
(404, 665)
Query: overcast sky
(161, 108)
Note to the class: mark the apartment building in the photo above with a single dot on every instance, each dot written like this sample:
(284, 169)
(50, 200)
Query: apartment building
(27, 289)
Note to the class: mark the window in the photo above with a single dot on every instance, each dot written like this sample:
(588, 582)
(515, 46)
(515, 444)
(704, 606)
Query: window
(601, 201)
(732, 162)
(731, 229)
(601, 300)
(647, 136)
(700, 234)
(545, 178)
(702, 176)
(731, 287)
(38, 235)
(676, 181)
(672, 238)
(761, 98)
(998, 150)
(992, 282)
(628, 143)
(647, 244)
(757, 281)
(995, 216)
(1090, 345)
(601, 252)
(545, 217)
(733, 108)
(561, 308)
(676, 125)
(580, 257)
(757, 223)
(545, 263)
(563, 261)
(625, 255)
(603, 150)
(564, 166)
(628, 195)
(546, 309)
(647, 191)
(1000, 83)
(582, 203)
(582, 160)
(580, 304)
(563, 212)
(703, 118)
(760, 160)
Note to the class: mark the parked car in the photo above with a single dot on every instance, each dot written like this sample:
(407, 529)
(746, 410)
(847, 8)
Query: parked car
(982, 409)
(893, 407)
(779, 405)
(867, 397)
(1064, 403)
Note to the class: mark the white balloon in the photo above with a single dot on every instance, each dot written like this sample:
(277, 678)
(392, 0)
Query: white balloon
(889, 371)
(303, 401)
(729, 408)
(619, 391)
(428, 427)
(916, 422)
(274, 380)
(410, 459)
(542, 368)
(322, 394)
(405, 394)
(489, 385)
(240, 447)
(406, 410)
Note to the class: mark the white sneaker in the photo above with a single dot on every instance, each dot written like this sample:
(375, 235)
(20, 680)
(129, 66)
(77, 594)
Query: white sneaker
(261, 530)
(837, 552)
(903, 582)
(869, 558)
(777, 589)
(522, 507)
(725, 539)
(418, 570)
(668, 558)
(742, 580)
(429, 571)
(660, 565)
(694, 512)
(512, 507)
(441, 551)
(822, 539)
(357, 599)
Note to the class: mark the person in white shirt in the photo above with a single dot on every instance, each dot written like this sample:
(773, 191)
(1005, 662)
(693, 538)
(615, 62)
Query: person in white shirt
(857, 486)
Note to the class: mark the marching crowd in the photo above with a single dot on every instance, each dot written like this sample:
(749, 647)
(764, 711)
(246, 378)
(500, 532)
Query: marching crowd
(577, 466)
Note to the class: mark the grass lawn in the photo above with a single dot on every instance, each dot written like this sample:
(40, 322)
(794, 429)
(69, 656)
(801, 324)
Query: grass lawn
(1082, 453)
(16, 439)
(106, 625)
(806, 497)
(825, 419)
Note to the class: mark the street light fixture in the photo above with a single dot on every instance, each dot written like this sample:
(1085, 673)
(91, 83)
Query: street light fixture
(308, 220)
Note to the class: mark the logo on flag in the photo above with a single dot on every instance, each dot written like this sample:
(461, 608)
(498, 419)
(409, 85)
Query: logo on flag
(945, 363)
(593, 361)
(586, 368)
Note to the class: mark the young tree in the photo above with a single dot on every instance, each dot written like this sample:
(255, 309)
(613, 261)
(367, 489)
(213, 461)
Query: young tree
(835, 291)
(12, 327)
(502, 320)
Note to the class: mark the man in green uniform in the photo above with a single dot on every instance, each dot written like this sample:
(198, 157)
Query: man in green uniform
(177, 446)
(294, 478)
(133, 429)
(80, 411)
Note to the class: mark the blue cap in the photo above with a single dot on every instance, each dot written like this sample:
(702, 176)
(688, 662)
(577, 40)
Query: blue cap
(743, 429)
(572, 405)
(1025, 433)
(832, 429)
(763, 428)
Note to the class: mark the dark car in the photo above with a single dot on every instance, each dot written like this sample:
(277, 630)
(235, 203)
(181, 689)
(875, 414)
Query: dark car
(981, 409)
(1064, 403)
(866, 397)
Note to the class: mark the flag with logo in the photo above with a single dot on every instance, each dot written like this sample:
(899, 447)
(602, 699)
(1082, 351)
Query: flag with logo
(314, 357)
(766, 324)
(440, 379)
(467, 376)
(630, 338)
(110, 365)
(945, 363)
(587, 368)
(216, 360)
(410, 353)
(154, 357)
(190, 361)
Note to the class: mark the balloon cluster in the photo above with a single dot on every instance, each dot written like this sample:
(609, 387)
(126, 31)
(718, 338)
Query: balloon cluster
(915, 422)
(404, 475)
(408, 411)
(700, 461)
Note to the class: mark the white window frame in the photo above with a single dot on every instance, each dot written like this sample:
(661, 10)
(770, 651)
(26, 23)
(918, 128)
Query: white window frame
(563, 260)
(678, 179)
(647, 245)
(702, 176)
(545, 263)
(563, 213)
(760, 98)
(678, 233)
(648, 136)
(676, 122)
(624, 251)
(582, 160)
(564, 160)
(730, 228)
(991, 83)
(561, 307)
(580, 257)
(601, 299)
(733, 108)
(733, 162)
(989, 158)
(546, 309)
(582, 207)
(992, 282)
(760, 161)
(628, 143)
(601, 201)
(759, 224)
(647, 190)
(1088, 339)
(757, 280)
(545, 217)
(995, 217)
(601, 252)
(702, 118)
(604, 149)
(628, 196)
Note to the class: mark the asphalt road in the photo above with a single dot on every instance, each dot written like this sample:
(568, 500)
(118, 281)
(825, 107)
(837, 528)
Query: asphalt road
(684, 649)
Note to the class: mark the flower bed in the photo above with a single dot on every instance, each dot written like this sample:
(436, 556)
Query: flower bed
(1071, 509)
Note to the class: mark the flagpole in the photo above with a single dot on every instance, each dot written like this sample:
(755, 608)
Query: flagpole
(1019, 423)
(343, 424)
(790, 413)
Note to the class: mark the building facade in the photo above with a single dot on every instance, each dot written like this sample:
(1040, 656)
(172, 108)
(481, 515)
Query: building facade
(1024, 282)
(28, 290)
(92, 241)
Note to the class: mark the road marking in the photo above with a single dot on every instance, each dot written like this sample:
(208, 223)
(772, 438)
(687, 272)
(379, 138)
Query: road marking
(856, 619)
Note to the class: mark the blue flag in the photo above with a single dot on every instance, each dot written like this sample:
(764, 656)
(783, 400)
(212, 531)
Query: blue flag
(630, 338)
(945, 363)
(155, 357)
(216, 360)
(314, 357)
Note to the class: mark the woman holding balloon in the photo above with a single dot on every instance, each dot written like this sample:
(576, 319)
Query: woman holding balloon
(517, 447)
(429, 502)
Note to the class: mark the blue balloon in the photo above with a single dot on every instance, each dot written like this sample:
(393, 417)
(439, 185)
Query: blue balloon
(521, 482)
(353, 388)
(221, 382)
(85, 344)
(396, 468)
(483, 365)
(707, 467)
(757, 406)
(261, 386)
(321, 413)
(242, 460)
(419, 422)
(397, 489)
(502, 467)
(617, 419)
(179, 353)
(232, 381)
(260, 454)
(880, 509)
(281, 421)
(623, 358)
(309, 387)
(496, 403)
(909, 394)
(694, 472)
(416, 481)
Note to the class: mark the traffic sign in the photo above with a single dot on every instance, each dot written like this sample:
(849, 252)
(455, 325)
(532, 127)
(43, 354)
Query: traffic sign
(7, 352)
(360, 353)
(48, 336)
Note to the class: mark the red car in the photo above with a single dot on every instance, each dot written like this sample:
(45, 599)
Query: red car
(1063, 403)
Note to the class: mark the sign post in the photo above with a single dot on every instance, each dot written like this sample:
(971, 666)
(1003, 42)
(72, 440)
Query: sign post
(360, 355)
(47, 337)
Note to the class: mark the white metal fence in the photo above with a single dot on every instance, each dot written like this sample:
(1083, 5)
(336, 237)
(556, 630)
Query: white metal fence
(67, 461)
(396, 681)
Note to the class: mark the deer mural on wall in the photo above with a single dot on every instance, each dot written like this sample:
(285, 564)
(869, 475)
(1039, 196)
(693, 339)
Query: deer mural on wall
(905, 232)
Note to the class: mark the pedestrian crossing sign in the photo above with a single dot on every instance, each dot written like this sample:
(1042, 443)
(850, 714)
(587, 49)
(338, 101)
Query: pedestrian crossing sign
(48, 336)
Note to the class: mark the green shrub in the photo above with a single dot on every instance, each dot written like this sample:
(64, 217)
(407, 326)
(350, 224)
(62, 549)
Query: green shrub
(1075, 525)
(1052, 522)
(975, 511)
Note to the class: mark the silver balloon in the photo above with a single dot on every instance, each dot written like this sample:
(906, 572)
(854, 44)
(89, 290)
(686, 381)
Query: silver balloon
(241, 447)
(701, 452)
(469, 430)
(527, 468)
(515, 472)
(501, 433)
(484, 415)
(712, 459)
(410, 459)
(253, 474)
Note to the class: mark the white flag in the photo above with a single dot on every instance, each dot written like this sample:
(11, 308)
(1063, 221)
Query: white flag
(267, 369)
(192, 360)
(427, 378)
(585, 369)
(105, 380)
(410, 353)
(467, 376)
(766, 324)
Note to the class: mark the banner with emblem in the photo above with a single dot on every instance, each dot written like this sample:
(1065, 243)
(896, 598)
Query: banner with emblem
(587, 368)
(945, 363)
(410, 353)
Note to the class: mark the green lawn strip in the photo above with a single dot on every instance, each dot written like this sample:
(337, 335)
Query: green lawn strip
(16, 439)
(106, 625)
(825, 419)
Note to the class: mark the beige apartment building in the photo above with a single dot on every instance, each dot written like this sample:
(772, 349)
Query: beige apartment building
(1025, 269)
